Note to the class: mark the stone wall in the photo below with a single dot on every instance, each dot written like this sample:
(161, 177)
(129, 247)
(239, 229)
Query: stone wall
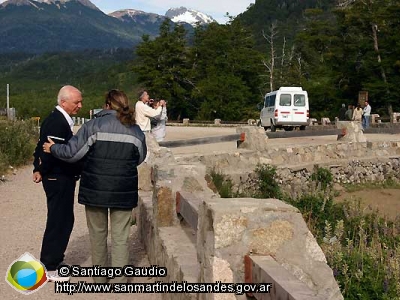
(227, 231)
(244, 161)
(230, 229)
(349, 162)
(297, 180)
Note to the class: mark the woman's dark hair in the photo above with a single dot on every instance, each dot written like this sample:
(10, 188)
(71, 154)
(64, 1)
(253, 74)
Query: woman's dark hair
(117, 100)
(154, 103)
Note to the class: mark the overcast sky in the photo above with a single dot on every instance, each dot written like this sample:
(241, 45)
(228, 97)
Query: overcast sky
(215, 8)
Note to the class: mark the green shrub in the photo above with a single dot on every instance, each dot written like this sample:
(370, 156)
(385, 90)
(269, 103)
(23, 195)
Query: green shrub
(316, 210)
(322, 176)
(223, 184)
(267, 186)
(364, 252)
(17, 143)
(3, 162)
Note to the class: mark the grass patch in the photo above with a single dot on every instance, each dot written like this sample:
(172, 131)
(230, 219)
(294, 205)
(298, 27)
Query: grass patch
(17, 143)
(363, 249)
(223, 184)
(387, 184)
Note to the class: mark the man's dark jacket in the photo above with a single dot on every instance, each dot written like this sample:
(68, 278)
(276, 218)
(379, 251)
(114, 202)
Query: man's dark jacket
(54, 125)
(113, 151)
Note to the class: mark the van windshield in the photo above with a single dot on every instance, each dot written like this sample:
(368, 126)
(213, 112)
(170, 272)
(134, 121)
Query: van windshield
(285, 100)
(299, 100)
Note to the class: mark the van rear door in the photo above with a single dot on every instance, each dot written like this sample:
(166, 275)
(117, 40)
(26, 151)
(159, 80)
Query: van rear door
(299, 108)
(285, 108)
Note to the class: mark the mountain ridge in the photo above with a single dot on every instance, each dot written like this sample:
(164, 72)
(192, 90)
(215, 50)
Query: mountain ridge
(38, 26)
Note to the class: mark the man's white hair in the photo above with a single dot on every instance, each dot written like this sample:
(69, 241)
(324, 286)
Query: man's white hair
(65, 93)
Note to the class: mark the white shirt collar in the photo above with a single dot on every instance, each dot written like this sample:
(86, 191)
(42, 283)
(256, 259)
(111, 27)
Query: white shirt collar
(67, 117)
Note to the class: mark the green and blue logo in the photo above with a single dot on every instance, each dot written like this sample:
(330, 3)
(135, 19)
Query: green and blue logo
(27, 274)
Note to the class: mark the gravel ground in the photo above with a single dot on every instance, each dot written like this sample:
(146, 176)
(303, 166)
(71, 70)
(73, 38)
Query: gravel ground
(23, 217)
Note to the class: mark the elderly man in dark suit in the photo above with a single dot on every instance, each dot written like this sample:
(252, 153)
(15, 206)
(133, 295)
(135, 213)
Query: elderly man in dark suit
(58, 179)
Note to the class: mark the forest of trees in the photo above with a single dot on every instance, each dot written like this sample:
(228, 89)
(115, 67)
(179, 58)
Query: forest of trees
(333, 53)
(333, 49)
(217, 76)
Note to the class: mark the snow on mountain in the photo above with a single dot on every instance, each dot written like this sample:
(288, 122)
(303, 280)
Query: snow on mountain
(190, 16)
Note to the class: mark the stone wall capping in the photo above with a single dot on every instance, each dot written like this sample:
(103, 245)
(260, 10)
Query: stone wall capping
(307, 167)
(230, 229)
(394, 157)
(247, 205)
(265, 269)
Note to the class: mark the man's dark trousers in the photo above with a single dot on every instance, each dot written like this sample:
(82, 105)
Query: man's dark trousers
(59, 191)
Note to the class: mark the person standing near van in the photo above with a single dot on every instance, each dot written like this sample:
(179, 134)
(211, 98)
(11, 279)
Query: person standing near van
(366, 115)
(158, 123)
(357, 114)
(349, 113)
(143, 112)
(342, 113)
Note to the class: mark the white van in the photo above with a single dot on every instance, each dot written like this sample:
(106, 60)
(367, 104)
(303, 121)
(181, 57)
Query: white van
(285, 108)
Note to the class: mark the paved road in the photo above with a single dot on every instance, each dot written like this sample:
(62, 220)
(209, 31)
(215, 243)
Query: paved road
(179, 133)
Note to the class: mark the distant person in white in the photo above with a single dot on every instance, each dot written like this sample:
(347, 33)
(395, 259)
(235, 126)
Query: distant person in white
(144, 112)
(158, 123)
(366, 115)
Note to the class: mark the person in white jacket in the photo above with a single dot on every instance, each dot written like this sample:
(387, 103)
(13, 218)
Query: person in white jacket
(143, 112)
(158, 123)
(366, 115)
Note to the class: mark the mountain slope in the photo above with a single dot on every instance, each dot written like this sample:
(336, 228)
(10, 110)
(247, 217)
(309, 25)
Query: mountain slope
(36, 27)
(135, 17)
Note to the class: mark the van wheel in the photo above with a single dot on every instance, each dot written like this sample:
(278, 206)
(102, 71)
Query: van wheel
(289, 128)
(302, 127)
(273, 128)
(266, 128)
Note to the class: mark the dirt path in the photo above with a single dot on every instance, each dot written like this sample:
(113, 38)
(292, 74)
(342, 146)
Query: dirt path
(23, 217)
(386, 201)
